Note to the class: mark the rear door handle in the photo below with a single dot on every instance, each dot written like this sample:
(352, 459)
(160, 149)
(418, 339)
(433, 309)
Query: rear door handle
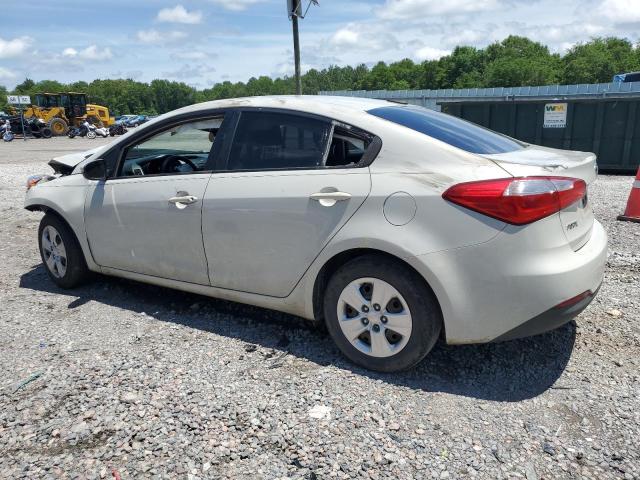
(329, 199)
(182, 199)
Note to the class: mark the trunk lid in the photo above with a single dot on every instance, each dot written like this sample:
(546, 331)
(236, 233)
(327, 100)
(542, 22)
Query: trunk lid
(577, 219)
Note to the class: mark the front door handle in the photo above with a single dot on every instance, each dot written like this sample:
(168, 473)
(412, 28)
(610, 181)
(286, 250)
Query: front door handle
(329, 199)
(182, 199)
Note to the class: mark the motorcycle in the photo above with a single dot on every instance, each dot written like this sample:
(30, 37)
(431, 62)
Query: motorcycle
(39, 128)
(5, 131)
(84, 130)
(103, 132)
(118, 129)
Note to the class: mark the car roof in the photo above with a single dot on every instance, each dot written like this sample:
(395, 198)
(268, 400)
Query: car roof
(319, 104)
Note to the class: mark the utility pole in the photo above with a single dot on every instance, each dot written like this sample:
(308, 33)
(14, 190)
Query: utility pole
(296, 45)
(294, 8)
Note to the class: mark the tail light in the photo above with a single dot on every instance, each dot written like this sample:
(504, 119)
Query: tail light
(519, 200)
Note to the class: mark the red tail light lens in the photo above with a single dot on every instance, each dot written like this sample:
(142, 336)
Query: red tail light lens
(519, 200)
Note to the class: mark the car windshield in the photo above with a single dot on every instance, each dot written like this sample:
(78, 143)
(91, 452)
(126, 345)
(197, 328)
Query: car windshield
(446, 128)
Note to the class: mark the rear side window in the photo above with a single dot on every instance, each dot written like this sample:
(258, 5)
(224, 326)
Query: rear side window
(446, 128)
(272, 140)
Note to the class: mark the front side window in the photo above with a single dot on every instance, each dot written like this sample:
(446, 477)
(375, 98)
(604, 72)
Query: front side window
(273, 140)
(182, 148)
(449, 129)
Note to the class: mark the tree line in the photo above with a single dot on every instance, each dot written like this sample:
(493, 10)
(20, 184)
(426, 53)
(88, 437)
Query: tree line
(515, 61)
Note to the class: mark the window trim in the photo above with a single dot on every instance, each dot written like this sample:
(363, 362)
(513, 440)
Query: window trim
(219, 163)
(139, 137)
(368, 157)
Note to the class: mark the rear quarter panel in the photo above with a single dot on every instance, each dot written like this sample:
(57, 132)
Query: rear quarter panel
(419, 168)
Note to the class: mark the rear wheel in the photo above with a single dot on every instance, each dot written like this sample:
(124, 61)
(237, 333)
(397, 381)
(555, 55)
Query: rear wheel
(381, 314)
(61, 253)
(58, 126)
(46, 132)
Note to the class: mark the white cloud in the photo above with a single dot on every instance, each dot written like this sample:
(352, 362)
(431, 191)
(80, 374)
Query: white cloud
(14, 47)
(430, 53)
(237, 5)
(94, 53)
(621, 11)
(417, 9)
(365, 37)
(192, 55)
(6, 74)
(179, 14)
(154, 36)
(91, 53)
(190, 72)
(345, 36)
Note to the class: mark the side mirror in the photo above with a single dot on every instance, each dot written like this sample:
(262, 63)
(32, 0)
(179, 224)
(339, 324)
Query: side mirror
(95, 170)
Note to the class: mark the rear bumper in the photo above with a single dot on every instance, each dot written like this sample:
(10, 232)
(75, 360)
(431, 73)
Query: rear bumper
(513, 285)
(550, 320)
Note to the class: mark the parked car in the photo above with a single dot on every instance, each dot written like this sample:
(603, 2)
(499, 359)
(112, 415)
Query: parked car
(136, 120)
(393, 224)
(122, 119)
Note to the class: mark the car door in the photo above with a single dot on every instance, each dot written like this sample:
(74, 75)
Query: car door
(277, 204)
(147, 217)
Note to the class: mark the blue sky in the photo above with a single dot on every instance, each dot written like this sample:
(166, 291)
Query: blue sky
(202, 42)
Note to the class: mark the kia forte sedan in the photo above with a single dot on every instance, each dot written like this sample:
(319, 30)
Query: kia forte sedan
(392, 224)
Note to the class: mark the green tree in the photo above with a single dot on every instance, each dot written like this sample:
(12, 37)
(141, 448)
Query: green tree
(25, 87)
(3, 98)
(518, 61)
(598, 60)
(515, 61)
(462, 69)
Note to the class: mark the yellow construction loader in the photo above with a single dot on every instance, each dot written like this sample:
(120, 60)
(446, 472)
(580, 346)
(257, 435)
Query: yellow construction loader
(61, 110)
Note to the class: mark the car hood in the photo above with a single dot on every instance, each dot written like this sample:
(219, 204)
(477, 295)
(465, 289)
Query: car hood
(65, 164)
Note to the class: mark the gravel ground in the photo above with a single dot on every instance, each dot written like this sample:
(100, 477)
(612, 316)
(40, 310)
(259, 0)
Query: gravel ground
(147, 382)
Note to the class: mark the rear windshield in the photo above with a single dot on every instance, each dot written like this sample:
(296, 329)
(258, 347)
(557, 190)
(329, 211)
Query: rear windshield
(446, 128)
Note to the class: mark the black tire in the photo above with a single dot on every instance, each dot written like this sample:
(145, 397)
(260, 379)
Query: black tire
(46, 132)
(76, 271)
(426, 317)
(58, 126)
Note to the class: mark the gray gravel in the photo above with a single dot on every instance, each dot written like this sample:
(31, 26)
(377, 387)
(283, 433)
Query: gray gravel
(146, 382)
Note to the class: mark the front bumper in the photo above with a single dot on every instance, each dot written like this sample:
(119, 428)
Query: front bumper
(510, 286)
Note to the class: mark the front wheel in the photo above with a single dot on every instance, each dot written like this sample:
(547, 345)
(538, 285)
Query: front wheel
(381, 314)
(61, 253)
(7, 137)
(58, 126)
(91, 134)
